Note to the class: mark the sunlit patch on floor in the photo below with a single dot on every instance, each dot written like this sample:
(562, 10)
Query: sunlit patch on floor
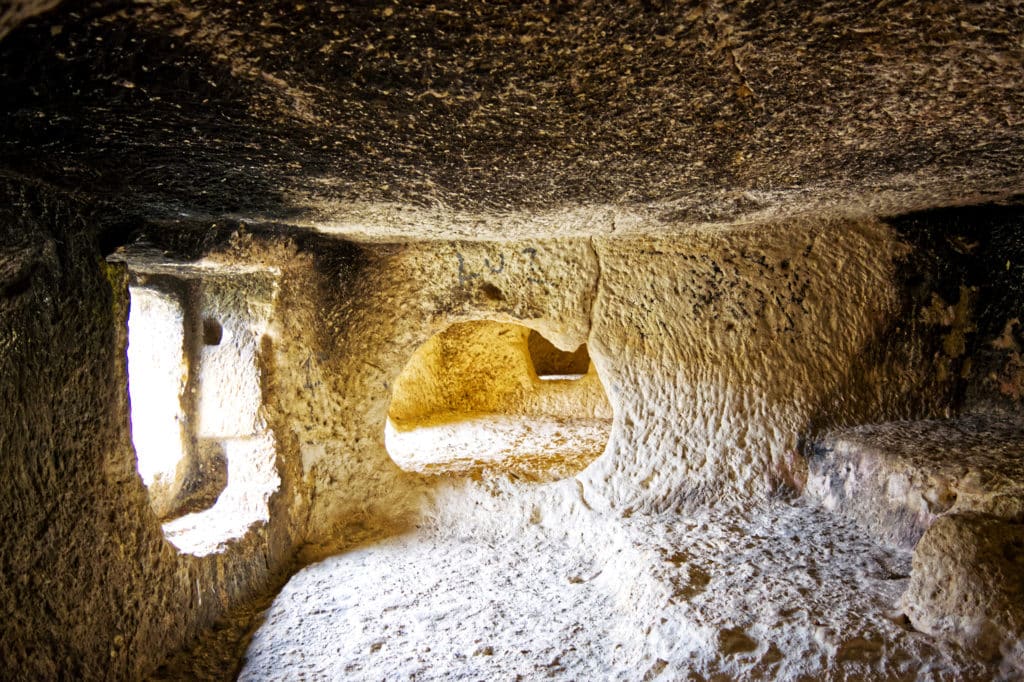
(778, 592)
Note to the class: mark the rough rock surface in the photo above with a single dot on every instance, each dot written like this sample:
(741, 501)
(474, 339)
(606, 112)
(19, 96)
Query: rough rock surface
(90, 587)
(716, 349)
(470, 400)
(712, 367)
(462, 119)
(967, 585)
(13, 12)
(741, 397)
(702, 192)
(780, 592)
(898, 477)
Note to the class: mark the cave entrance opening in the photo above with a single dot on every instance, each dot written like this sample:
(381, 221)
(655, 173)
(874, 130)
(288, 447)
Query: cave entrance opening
(487, 396)
(203, 449)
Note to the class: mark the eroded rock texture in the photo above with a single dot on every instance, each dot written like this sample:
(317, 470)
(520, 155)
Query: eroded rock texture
(968, 584)
(594, 116)
(91, 588)
(899, 477)
(789, 238)
(478, 395)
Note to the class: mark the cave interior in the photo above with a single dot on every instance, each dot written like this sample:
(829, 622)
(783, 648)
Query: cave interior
(573, 340)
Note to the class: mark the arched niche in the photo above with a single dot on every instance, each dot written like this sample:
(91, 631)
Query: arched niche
(471, 400)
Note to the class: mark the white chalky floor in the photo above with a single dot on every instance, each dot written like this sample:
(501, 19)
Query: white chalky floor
(458, 443)
(782, 591)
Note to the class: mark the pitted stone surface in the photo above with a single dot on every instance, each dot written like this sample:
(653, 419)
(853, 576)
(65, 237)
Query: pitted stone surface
(487, 120)
(777, 592)
(898, 477)
(967, 585)
(693, 189)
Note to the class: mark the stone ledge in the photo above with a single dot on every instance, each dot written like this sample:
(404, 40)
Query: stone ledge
(967, 584)
(897, 478)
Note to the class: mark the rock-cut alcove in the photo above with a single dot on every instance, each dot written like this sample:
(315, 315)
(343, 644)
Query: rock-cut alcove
(487, 395)
(203, 450)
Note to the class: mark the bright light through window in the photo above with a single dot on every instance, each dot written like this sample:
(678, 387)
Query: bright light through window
(204, 451)
(157, 372)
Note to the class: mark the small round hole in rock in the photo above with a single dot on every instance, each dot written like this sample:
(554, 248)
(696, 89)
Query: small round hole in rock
(491, 292)
(212, 332)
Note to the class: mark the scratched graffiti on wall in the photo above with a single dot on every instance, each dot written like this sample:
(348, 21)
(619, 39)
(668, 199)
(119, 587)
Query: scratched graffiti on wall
(523, 259)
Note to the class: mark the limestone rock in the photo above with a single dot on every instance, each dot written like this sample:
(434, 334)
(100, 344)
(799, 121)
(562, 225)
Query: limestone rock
(13, 12)
(471, 399)
(967, 584)
(751, 214)
(898, 477)
(449, 119)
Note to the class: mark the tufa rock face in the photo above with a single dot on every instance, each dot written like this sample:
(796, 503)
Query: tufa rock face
(529, 119)
(968, 584)
(474, 388)
(13, 12)
(93, 588)
(897, 478)
(719, 351)
(700, 192)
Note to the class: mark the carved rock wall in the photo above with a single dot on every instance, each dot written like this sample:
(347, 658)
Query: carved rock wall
(91, 588)
(717, 352)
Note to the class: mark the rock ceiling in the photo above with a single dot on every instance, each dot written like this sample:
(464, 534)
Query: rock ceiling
(484, 120)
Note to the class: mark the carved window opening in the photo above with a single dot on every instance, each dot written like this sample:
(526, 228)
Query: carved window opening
(554, 364)
(203, 450)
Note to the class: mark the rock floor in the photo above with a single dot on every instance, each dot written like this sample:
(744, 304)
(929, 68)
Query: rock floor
(781, 591)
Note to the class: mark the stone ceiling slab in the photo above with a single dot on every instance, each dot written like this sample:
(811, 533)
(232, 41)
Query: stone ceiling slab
(483, 120)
